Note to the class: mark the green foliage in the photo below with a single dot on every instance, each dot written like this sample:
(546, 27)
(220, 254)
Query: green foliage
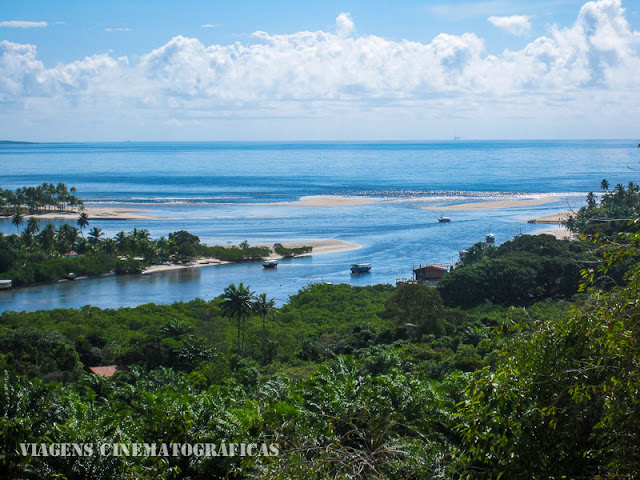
(561, 402)
(291, 252)
(519, 272)
(612, 214)
(418, 308)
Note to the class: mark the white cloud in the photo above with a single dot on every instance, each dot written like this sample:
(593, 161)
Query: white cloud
(344, 24)
(22, 24)
(117, 29)
(210, 25)
(586, 70)
(515, 24)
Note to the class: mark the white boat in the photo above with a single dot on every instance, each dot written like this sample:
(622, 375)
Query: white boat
(360, 267)
(444, 219)
(490, 238)
(270, 264)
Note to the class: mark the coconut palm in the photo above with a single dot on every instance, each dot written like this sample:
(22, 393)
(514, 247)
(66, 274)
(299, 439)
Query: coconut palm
(263, 307)
(47, 237)
(33, 225)
(83, 221)
(94, 235)
(17, 219)
(237, 303)
(604, 185)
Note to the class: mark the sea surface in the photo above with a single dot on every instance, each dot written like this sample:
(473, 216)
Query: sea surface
(225, 193)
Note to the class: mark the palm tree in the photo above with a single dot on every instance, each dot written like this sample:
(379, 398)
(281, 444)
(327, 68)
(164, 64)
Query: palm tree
(263, 307)
(94, 235)
(604, 185)
(109, 246)
(83, 221)
(237, 303)
(67, 237)
(33, 225)
(17, 219)
(47, 237)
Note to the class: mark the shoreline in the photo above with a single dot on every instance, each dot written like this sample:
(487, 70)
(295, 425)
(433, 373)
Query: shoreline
(498, 204)
(559, 219)
(320, 247)
(97, 214)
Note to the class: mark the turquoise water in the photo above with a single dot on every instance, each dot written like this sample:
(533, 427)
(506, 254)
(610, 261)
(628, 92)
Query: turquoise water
(224, 192)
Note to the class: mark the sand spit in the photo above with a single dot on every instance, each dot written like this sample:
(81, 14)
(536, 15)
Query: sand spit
(100, 214)
(323, 201)
(494, 204)
(320, 247)
(555, 219)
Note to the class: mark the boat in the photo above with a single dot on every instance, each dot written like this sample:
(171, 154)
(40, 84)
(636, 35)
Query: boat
(270, 264)
(490, 238)
(444, 219)
(360, 267)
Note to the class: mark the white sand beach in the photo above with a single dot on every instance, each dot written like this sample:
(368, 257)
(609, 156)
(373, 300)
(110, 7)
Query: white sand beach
(494, 204)
(560, 234)
(99, 214)
(554, 219)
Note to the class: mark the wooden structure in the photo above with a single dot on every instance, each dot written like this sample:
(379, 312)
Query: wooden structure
(429, 274)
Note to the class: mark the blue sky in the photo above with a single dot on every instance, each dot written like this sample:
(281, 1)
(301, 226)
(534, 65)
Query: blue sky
(203, 70)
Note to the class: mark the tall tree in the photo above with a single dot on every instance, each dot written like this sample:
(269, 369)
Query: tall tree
(83, 221)
(238, 303)
(17, 219)
(94, 235)
(263, 307)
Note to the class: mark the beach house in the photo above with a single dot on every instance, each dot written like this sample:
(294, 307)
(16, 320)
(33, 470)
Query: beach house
(429, 274)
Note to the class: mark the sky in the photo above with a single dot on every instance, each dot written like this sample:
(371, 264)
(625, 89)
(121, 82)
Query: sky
(117, 70)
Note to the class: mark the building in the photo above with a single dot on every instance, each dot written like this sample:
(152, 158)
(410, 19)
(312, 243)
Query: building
(106, 371)
(429, 274)
(70, 254)
(5, 284)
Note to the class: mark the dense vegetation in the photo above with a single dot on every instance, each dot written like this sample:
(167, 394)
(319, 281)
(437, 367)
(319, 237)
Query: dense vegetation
(533, 382)
(40, 254)
(44, 198)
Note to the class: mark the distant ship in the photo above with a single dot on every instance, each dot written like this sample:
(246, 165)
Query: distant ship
(444, 219)
(360, 267)
(270, 264)
(456, 138)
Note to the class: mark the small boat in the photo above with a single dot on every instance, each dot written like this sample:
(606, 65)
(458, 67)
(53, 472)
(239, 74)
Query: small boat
(71, 276)
(444, 219)
(360, 267)
(490, 238)
(270, 264)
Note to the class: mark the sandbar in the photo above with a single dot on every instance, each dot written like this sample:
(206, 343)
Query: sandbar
(494, 204)
(100, 214)
(554, 219)
(324, 201)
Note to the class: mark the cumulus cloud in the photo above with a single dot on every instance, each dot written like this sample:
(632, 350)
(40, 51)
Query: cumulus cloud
(591, 64)
(22, 24)
(515, 24)
(344, 24)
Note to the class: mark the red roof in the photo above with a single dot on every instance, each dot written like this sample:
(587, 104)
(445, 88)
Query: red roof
(71, 254)
(106, 371)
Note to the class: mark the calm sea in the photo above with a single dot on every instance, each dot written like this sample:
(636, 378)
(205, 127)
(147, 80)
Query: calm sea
(219, 191)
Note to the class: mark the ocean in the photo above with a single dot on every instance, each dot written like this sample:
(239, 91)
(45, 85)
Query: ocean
(228, 192)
